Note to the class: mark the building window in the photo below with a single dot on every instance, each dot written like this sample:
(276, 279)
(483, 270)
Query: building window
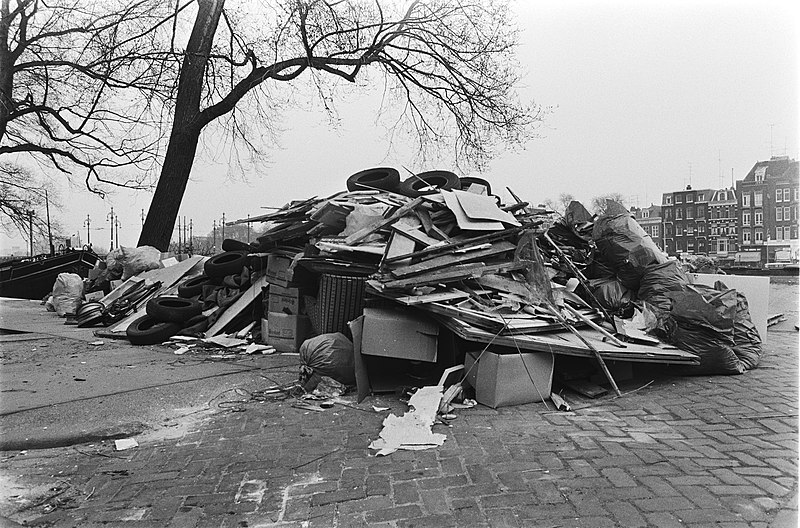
(668, 200)
(645, 214)
(701, 228)
(746, 218)
(778, 195)
(786, 214)
(757, 198)
(786, 197)
(746, 236)
(797, 193)
(779, 233)
(701, 197)
(758, 217)
(689, 198)
(760, 173)
(690, 212)
(779, 214)
(758, 235)
(794, 231)
(679, 214)
(679, 199)
(746, 200)
(701, 211)
(787, 233)
(655, 230)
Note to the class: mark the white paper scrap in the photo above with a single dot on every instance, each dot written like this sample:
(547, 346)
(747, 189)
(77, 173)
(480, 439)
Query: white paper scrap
(412, 431)
(126, 443)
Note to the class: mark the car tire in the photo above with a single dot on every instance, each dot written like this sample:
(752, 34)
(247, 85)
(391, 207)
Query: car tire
(193, 287)
(148, 331)
(228, 263)
(385, 178)
(230, 244)
(171, 309)
(466, 181)
(429, 182)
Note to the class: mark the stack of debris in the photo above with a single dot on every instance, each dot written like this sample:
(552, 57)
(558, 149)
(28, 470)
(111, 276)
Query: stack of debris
(392, 284)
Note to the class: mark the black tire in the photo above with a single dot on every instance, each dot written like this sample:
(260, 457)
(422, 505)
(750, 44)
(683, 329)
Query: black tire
(89, 314)
(429, 182)
(148, 331)
(385, 178)
(228, 263)
(230, 244)
(466, 181)
(193, 287)
(170, 309)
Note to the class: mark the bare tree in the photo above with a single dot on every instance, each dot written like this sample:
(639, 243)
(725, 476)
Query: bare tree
(24, 203)
(599, 203)
(560, 205)
(76, 84)
(448, 63)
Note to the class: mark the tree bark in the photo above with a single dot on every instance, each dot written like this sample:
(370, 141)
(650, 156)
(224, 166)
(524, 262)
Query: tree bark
(186, 128)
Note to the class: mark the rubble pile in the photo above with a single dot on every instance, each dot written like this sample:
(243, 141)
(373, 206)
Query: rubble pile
(391, 284)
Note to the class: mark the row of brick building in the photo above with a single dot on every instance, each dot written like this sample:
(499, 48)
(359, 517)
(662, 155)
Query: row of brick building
(752, 225)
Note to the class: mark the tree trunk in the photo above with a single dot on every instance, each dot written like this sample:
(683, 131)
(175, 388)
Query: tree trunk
(186, 128)
(6, 69)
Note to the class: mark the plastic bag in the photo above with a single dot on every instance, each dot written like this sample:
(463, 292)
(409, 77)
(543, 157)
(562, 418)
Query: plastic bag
(658, 279)
(624, 246)
(329, 355)
(67, 293)
(132, 261)
(702, 321)
(611, 294)
(746, 341)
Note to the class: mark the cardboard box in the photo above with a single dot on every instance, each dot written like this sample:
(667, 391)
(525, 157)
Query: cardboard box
(287, 332)
(284, 300)
(399, 333)
(502, 379)
(278, 271)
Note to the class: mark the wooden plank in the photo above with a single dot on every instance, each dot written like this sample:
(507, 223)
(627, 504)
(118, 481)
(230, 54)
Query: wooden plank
(450, 246)
(459, 272)
(237, 307)
(399, 244)
(435, 263)
(401, 212)
(416, 234)
(449, 295)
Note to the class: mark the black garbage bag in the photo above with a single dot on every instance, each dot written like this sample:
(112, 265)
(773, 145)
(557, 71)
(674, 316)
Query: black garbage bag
(612, 295)
(624, 246)
(746, 341)
(329, 355)
(658, 279)
(701, 320)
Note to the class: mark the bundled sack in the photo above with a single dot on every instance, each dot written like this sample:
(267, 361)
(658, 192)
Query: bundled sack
(746, 341)
(658, 279)
(132, 261)
(328, 355)
(624, 246)
(701, 321)
(612, 295)
(67, 293)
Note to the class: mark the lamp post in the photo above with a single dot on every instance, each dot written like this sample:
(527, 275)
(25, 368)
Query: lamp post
(30, 228)
(117, 224)
(110, 218)
(88, 223)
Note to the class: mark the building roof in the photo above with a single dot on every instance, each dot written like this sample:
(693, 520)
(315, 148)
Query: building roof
(776, 167)
(723, 197)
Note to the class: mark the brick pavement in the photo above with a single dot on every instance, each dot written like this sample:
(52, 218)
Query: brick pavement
(679, 452)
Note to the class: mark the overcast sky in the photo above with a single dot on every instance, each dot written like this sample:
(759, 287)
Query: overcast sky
(646, 99)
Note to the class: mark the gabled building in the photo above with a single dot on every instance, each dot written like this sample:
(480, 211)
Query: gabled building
(684, 215)
(723, 222)
(768, 199)
(650, 220)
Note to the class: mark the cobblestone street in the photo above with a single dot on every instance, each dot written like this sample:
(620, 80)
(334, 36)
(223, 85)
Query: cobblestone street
(671, 452)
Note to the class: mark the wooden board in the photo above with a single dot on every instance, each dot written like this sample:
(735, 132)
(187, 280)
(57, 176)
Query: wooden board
(565, 343)
(445, 261)
(237, 307)
(464, 271)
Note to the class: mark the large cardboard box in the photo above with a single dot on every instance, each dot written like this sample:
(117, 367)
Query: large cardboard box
(287, 332)
(278, 271)
(284, 300)
(513, 378)
(399, 333)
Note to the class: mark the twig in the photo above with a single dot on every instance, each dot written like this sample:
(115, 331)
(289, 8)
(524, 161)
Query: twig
(315, 459)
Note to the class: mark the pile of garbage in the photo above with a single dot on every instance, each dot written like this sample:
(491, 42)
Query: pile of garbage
(416, 277)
